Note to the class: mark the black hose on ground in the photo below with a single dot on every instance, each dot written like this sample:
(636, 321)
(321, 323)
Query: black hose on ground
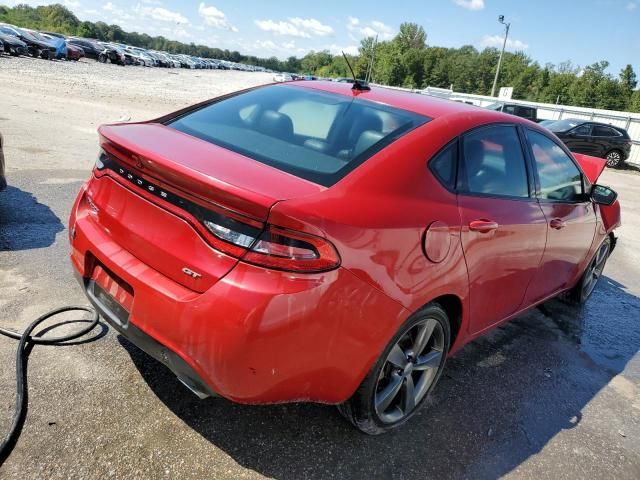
(27, 341)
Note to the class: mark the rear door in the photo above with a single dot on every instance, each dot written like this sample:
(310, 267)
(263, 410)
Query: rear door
(604, 139)
(569, 213)
(503, 227)
(579, 140)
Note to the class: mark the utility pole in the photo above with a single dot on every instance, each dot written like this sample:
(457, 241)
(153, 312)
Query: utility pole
(504, 44)
(373, 52)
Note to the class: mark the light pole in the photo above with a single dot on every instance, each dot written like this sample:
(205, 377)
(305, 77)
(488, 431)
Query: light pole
(504, 44)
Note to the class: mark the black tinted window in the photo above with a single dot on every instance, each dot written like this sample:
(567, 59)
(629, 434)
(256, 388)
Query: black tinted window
(599, 131)
(494, 163)
(525, 112)
(444, 166)
(559, 177)
(583, 130)
(312, 134)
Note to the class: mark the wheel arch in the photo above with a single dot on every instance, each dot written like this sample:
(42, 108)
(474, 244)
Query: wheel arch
(452, 305)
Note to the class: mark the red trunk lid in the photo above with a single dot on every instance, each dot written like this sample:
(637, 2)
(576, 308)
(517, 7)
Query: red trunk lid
(204, 169)
(160, 233)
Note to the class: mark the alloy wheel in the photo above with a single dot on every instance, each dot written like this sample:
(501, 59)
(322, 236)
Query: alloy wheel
(593, 273)
(409, 370)
(613, 159)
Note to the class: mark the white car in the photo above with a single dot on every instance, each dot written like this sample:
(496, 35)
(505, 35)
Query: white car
(282, 77)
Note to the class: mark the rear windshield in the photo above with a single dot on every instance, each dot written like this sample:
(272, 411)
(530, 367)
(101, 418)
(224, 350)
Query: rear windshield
(314, 135)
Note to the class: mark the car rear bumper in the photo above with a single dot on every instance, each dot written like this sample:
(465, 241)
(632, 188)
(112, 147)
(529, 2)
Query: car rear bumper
(182, 370)
(254, 336)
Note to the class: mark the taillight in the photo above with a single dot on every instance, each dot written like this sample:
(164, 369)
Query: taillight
(275, 247)
(283, 249)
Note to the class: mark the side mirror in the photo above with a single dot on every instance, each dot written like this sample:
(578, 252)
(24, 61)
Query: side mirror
(603, 195)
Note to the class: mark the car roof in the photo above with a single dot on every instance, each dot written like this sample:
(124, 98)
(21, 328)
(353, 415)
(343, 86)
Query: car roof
(427, 105)
(582, 121)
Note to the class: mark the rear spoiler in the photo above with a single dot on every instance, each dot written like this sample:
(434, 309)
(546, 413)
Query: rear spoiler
(591, 166)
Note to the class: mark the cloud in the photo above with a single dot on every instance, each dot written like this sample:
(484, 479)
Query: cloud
(295, 27)
(470, 4)
(496, 41)
(313, 26)
(631, 6)
(214, 17)
(162, 14)
(337, 50)
(116, 13)
(376, 27)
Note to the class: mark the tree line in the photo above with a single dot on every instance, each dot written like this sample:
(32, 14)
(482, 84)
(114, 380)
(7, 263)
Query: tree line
(406, 60)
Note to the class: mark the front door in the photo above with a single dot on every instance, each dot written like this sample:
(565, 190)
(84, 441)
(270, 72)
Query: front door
(503, 228)
(569, 213)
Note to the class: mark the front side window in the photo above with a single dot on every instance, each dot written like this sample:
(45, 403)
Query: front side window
(494, 163)
(315, 135)
(560, 179)
(583, 130)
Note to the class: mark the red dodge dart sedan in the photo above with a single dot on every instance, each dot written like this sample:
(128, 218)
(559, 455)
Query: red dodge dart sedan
(332, 243)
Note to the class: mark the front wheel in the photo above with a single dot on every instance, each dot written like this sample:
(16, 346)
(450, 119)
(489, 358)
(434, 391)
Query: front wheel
(403, 376)
(583, 290)
(614, 158)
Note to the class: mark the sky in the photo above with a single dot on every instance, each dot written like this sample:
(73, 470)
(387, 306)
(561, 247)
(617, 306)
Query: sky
(549, 31)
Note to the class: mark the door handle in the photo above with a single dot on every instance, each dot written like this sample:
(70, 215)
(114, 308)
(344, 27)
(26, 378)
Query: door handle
(483, 226)
(557, 224)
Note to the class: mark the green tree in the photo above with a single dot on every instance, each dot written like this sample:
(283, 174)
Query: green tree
(411, 36)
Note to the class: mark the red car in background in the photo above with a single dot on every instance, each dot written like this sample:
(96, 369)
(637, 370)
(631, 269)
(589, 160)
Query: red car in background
(332, 243)
(74, 52)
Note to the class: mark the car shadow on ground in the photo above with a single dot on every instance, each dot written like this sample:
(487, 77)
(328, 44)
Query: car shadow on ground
(501, 399)
(629, 167)
(24, 222)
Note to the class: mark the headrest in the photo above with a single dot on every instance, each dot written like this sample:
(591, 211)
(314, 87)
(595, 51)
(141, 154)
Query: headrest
(366, 140)
(276, 125)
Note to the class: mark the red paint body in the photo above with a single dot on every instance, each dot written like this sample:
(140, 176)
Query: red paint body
(74, 52)
(257, 335)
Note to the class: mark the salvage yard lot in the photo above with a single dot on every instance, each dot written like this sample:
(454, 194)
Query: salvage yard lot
(554, 394)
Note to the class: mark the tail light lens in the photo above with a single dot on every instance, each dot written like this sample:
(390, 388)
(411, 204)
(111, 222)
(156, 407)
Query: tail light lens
(283, 249)
(275, 247)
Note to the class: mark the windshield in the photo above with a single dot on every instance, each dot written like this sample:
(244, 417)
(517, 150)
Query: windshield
(314, 135)
(564, 125)
(26, 34)
(8, 31)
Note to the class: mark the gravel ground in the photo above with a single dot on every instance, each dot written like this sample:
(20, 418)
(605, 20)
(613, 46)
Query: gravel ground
(553, 394)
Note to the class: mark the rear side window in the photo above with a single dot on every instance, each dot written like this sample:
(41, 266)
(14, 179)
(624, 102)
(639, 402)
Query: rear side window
(599, 131)
(526, 112)
(443, 166)
(560, 180)
(315, 135)
(493, 163)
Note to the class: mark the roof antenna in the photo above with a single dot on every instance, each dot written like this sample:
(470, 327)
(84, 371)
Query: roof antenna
(357, 84)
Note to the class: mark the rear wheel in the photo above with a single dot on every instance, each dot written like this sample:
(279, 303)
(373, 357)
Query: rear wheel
(614, 158)
(403, 376)
(583, 290)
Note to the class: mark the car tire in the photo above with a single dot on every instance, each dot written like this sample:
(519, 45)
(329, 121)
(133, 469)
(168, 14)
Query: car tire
(369, 408)
(614, 158)
(589, 279)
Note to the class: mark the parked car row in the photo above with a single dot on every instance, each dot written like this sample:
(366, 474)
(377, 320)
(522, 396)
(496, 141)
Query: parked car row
(51, 45)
